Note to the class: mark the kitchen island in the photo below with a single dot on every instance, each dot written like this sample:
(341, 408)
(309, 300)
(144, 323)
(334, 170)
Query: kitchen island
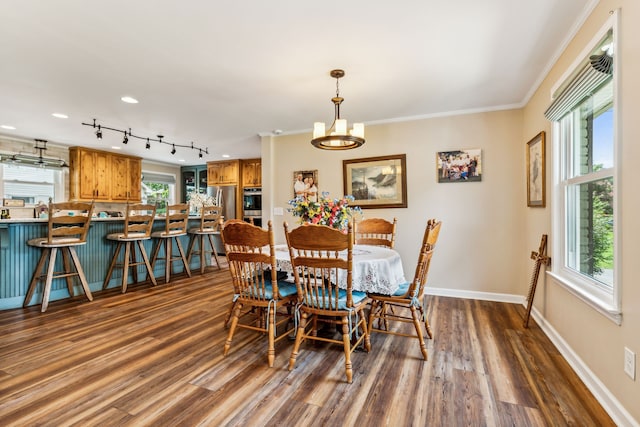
(18, 260)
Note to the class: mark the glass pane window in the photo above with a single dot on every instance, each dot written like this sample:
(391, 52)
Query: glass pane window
(28, 183)
(587, 140)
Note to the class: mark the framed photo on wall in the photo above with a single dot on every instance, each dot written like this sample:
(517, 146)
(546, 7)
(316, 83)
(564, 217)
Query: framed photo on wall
(376, 182)
(305, 184)
(536, 171)
(459, 165)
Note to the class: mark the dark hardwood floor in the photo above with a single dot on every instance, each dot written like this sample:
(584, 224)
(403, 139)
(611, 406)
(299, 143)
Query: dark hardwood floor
(154, 357)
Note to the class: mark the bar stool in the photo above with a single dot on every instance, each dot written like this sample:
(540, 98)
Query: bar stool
(137, 227)
(68, 226)
(209, 226)
(175, 227)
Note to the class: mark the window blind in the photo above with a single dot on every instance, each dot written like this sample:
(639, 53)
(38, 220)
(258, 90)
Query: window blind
(584, 84)
(158, 177)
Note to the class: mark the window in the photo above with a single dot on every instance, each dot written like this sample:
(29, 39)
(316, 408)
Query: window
(158, 189)
(30, 183)
(584, 208)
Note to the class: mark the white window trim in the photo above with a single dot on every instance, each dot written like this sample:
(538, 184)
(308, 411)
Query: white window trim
(589, 291)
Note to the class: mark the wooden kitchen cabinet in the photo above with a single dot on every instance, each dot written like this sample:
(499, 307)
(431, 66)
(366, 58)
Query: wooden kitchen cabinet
(252, 173)
(103, 176)
(223, 173)
(126, 175)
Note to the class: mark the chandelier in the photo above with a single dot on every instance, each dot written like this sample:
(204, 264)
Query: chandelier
(337, 137)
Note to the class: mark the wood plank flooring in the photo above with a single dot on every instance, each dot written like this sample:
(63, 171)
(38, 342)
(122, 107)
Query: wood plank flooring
(153, 356)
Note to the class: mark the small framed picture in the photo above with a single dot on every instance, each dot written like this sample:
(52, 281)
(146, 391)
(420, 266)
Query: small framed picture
(536, 172)
(305, 184)
(459, 165)
(376, 182)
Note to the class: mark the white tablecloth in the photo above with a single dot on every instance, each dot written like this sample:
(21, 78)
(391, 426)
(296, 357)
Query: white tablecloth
(375, 268)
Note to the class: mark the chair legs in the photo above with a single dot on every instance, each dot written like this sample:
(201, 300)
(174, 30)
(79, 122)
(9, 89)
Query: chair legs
(383, 311)
(49, 256)
(346, 341)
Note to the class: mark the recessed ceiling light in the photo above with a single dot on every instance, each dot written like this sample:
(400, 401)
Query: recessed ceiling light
(181, 160)
(226, 156)
(115, 147)
(129, 100)
(8, 127)
(60, 115)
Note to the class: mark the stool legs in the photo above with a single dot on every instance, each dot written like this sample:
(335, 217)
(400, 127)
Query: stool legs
(168, 257)
(201, 250)
(49, 254)
(128, 262)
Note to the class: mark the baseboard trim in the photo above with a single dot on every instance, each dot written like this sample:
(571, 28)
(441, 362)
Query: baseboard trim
(611, 405)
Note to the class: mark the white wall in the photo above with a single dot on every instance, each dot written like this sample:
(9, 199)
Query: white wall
(479, 249)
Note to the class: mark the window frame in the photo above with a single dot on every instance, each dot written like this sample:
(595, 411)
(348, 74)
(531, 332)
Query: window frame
(592, 292)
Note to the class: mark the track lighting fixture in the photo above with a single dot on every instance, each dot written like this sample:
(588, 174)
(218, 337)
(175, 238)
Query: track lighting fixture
(35, 160)
(128, 134)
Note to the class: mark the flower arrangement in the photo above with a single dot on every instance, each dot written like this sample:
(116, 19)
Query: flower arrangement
(198, 200)
(335, 213)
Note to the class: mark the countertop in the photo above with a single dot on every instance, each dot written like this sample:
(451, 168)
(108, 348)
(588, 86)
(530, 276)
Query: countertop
(94, 219)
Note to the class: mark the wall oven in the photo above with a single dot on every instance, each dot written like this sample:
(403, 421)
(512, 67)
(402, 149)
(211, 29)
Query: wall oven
(252, 205)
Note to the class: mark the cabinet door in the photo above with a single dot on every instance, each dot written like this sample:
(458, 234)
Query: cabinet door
(93, 179)
(202, 180)
(119, 178)
(135, 180)
(214, 173)
(252, 173)
(230, 173)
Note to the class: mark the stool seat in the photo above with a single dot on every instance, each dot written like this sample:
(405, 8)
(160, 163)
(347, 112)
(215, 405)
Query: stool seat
(65, 231)
(175, 227)
(43, 242)
(137, 228)
(209, 226)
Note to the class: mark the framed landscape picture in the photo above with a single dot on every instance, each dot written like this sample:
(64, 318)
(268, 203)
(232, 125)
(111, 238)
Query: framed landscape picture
(376, 182)
(536, 172)
(459, 165)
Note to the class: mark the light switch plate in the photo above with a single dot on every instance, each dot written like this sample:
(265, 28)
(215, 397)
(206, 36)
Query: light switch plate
(278, 211)
(630, 363)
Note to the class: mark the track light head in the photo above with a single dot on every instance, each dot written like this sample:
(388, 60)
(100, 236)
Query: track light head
(173, 150)
(99, 133)
(125, 140)
(148, 146)
(200, 154)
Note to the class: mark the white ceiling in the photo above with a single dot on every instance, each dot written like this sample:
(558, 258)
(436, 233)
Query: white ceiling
(219, 73)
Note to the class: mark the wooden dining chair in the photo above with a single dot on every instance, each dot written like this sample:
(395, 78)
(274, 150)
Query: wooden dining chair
(376, 232)
(252, 264)
(321, 257)
(394, 307)
(68, 225)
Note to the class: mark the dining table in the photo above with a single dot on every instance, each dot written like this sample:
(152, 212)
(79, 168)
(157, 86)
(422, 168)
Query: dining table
(376, 269)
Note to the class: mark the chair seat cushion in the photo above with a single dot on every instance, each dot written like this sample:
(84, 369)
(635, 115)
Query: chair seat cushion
(402, 289)
(285, 289)
(357, 296)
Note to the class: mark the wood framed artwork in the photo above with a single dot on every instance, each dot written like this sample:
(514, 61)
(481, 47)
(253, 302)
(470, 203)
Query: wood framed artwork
(376, 182)
(536, 171)
(305, 184)
(459, 165)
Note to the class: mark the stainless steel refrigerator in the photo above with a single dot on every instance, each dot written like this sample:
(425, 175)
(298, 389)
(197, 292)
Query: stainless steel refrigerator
(225, 196)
